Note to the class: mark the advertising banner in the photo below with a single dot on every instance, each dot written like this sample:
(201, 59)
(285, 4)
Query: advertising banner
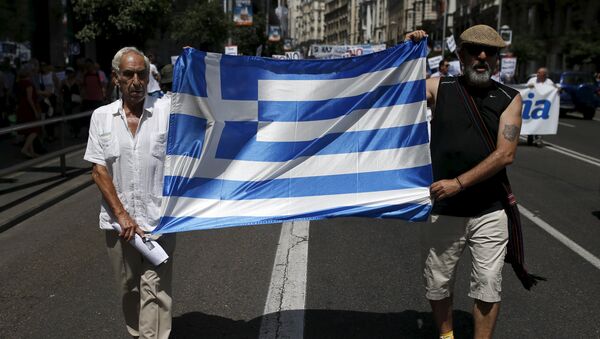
(274, 33)
(242, 13)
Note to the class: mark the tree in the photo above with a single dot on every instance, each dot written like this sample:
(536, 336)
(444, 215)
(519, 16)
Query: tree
(248, 38)
(203, 26)
(123, 22)
(16, 20)
(582, 47)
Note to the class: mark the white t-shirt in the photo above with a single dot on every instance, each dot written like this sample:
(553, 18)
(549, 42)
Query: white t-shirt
(542, 88)
(153, 85)
(533, 81)
(136, 164)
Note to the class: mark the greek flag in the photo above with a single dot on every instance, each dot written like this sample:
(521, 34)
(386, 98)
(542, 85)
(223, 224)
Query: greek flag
(256, 140)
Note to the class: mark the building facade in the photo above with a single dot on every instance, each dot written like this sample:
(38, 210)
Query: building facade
(341, 22)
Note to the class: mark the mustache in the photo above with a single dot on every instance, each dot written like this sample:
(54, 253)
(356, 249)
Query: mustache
(481, 64)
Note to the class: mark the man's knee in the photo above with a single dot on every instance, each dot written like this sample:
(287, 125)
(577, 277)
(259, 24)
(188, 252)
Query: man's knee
(486, 286)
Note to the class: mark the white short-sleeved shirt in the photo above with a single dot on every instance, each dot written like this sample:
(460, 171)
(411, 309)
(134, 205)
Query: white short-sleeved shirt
(136, 164)
(533, 81)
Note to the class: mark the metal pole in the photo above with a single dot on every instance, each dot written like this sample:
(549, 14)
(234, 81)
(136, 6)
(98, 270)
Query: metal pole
(267, 18)
(499, 14)
(444, 27)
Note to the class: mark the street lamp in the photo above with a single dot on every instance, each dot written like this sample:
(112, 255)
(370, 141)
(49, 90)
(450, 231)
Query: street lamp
(506, 34)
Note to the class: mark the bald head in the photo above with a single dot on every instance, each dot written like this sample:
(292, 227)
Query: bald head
(542, 74)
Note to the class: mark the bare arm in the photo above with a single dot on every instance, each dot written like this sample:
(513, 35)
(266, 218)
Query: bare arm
(431, 88)
(506, 147)
(432, 83)
(104, 182)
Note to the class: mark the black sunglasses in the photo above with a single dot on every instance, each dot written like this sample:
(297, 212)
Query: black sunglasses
(475, 50)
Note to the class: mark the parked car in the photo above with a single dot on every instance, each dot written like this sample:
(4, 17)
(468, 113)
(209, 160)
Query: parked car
(579, 92)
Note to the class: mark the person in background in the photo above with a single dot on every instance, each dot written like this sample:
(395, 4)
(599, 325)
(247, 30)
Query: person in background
(92, 87)
(48, 87)
(71, 99)
(28, 109)
(442, 69)
(539, 81)
(497, 76)
(166, 79)
(126, 145)
(7, 95)
(153, 81)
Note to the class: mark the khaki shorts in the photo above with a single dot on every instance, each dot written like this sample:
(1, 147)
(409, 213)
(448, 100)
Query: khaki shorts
(444, 239)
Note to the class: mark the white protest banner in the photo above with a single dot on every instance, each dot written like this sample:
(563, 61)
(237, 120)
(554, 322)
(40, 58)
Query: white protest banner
(343, 51)
(454, 68)
(508, 66)
(451, 43)
(295, 55)
(231, 50)
(540, 109)
(434, 62)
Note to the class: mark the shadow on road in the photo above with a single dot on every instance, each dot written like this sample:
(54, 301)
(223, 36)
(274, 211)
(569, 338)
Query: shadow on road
(325, 324)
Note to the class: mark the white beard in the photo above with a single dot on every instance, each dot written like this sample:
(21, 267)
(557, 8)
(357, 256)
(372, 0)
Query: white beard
(477, 79)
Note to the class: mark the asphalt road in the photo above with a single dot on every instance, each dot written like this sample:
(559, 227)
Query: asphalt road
(362, 276)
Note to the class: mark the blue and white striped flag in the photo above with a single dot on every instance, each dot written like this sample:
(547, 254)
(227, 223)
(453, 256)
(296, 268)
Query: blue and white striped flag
(255, 140)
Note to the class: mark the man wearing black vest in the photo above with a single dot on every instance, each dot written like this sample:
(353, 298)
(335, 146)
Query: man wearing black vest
(468, 209)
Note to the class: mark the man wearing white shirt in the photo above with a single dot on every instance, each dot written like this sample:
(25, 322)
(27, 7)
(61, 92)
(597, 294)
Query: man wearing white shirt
(126, 145)
(540, 79)
(443, 67)
(153, 79)
(539, 82)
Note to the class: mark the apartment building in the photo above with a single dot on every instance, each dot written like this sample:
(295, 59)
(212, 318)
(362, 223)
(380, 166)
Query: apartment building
(306, 21)
(342, 22)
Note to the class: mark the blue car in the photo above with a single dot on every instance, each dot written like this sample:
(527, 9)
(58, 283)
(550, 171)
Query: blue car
(579, 92)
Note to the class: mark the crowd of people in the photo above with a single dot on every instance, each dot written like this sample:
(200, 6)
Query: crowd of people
(36, 90)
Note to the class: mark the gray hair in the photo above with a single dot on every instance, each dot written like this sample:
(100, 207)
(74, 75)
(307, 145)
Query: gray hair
(116, 61)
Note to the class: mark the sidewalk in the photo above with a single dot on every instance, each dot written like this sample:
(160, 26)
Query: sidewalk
(27, 192)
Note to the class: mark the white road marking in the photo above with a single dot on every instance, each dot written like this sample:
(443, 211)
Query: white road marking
(561, 237)
(569, 152)
(284, 308)
(573, 154)
(565, 124)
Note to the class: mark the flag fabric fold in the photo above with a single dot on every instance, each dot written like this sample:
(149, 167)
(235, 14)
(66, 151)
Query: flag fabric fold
(256, 140)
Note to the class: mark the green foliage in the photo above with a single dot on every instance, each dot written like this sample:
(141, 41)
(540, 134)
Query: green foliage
(527, 47)
(16, 20)
(203, 26)
(115, 19)
(248, 38)
(582, 47)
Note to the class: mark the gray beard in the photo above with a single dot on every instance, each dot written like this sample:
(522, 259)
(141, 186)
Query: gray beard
(477, 79)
